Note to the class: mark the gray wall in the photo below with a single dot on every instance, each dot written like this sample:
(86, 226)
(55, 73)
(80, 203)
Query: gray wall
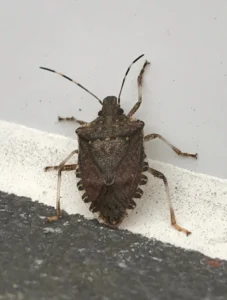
(185, 88)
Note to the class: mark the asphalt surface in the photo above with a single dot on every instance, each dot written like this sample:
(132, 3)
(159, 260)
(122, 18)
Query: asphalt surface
(79, 259)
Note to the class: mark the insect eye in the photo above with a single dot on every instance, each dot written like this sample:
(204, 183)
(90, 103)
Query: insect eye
(120, 111)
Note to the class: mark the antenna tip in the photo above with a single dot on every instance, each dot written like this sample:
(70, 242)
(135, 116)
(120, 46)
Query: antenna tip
(138, 58)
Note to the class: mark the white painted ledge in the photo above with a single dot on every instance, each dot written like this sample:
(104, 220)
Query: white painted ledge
(200, 201)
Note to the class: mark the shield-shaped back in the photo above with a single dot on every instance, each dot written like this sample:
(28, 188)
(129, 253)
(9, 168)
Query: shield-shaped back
(111, 161)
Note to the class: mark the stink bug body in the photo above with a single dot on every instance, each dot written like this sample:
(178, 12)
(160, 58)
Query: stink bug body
(111, 159)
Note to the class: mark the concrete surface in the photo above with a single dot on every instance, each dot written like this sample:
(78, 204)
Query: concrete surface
(200, 201)
(80, 259)
(185, 88)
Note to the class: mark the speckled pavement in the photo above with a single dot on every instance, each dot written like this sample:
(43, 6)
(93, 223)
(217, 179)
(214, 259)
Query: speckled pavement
(80, 259)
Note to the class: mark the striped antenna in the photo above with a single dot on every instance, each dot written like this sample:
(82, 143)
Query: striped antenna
(73, 82)
(118, 100)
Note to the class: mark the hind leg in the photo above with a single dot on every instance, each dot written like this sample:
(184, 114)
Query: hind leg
(139, 81)
(158, 174)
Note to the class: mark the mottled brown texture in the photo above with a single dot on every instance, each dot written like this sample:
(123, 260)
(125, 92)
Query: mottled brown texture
(110, 161)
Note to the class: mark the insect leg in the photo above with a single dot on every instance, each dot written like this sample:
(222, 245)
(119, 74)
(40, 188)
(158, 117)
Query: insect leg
(72, 119)
(175, 149)
(139, 81)
(70, 167)
(60, 168)
(158, 174)
(62, 164)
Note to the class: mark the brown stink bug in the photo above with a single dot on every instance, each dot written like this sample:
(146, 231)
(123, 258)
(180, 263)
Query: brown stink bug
(111, 159)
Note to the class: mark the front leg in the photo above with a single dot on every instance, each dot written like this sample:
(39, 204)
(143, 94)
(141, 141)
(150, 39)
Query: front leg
(139, 82)
(72, 119)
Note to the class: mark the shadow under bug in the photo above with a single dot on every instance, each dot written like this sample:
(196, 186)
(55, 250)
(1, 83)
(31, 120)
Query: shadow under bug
(111, 159)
